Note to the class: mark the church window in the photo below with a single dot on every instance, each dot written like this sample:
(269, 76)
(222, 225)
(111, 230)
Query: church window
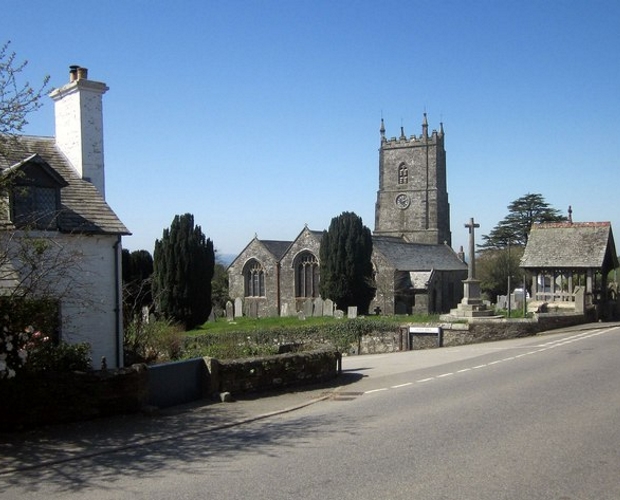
(307, 276)
(254, 275)
(403, 174)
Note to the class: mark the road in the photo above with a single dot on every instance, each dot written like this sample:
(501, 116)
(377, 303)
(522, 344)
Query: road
(535, 418)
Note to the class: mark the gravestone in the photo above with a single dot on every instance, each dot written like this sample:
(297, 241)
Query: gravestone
(308, 307)
(301, 316)
(145, 314)
(238, 307)
(318, 307)
(252, 309)
(230, 313)
(338, 314)
(284, 310)
(328, 307)
(352, 312)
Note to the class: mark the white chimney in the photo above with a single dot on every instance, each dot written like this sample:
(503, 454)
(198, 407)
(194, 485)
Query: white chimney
(79, 125)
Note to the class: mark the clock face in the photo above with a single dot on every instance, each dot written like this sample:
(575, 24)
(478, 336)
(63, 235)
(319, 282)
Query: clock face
(402, 201)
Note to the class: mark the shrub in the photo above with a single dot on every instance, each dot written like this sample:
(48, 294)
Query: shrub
(30, 351)
(152, 342)
(340, 334)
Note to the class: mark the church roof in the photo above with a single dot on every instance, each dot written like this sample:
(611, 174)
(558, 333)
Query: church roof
(574, 245)
(406, 256)
(83, 208)
(276, 248)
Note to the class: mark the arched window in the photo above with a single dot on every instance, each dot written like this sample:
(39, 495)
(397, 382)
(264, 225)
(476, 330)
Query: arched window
(403, 174)
(254, 276)
(306, 275)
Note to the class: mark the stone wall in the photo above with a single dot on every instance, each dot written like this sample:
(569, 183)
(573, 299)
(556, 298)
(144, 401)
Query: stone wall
(476, 331)
(65, 397)
(487, 330)
(273, 372)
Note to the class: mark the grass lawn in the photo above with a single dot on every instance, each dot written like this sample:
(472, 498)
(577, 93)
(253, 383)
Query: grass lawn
(244, 324)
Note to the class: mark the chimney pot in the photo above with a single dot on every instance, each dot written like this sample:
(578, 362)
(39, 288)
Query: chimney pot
(82, 74)
(73, 73)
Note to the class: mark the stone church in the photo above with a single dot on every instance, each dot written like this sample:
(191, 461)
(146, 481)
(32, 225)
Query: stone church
(415, 268)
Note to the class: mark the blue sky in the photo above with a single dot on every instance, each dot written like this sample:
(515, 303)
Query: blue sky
(262, 116)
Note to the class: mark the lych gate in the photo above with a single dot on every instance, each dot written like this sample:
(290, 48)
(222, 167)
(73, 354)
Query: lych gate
(569, 264)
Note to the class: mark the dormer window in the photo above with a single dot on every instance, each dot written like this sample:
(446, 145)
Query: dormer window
(35, 194)
(35, 206)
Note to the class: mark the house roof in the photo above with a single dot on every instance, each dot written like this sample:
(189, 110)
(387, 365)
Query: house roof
(406, 256)
(559, 245)
(83, 208)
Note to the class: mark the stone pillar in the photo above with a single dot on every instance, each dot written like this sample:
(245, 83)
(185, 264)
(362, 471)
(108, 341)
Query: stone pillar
(471, 286)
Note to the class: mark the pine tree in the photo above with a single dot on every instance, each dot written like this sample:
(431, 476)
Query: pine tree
(346, 266)
(523, 212)
(183, 263)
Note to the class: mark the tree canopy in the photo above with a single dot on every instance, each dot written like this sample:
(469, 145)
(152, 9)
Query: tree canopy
(17, 99)
(137, 282)
(523, 212)
(346, 266)
(183, 264)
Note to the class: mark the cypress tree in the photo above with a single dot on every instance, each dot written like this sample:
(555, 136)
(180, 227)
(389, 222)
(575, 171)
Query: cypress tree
(183, 263)
(346, 266)
(137, 282)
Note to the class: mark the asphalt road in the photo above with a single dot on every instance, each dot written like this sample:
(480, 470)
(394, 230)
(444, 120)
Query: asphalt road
(535, 418)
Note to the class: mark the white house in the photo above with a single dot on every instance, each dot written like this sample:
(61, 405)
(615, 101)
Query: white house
(56, 206)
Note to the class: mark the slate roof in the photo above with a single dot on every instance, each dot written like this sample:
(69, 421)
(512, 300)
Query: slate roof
(406, 256)
(83, 209)
(277, 248)
(559, 245)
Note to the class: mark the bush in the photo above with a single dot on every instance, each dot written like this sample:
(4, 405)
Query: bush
(59, 358)
(340, 334)
(30, 351)
(152, 342)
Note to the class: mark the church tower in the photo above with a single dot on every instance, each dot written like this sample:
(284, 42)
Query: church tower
(412, 201)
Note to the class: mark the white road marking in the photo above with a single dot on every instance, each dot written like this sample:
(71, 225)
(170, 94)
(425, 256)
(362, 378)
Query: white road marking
(543, 347)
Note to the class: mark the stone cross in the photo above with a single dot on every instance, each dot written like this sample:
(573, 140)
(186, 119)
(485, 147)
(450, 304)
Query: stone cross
(471, 268)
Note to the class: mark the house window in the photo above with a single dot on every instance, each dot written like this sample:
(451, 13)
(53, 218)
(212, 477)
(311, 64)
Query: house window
(307, 276)
(35, 206)
(403, 174)
(254, 279)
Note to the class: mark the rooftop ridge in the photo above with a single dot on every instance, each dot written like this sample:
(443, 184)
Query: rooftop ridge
(571, 224)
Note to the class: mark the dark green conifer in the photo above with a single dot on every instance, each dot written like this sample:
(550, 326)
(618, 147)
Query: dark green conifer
(183, 262)
(346, 266)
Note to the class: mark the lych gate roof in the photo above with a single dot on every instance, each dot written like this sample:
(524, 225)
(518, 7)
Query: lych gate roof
(406, 256)
(564, 245)
(83, 208)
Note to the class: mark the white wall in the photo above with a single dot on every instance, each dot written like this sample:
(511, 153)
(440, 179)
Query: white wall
(86, 277)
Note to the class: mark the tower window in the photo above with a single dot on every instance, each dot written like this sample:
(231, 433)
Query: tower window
(307, 276)
(403, 174)
(254, 275)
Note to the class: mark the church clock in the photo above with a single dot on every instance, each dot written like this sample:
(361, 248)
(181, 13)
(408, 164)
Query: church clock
(402, 201)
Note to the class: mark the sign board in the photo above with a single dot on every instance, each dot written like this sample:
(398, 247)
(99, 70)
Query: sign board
(426, 331)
